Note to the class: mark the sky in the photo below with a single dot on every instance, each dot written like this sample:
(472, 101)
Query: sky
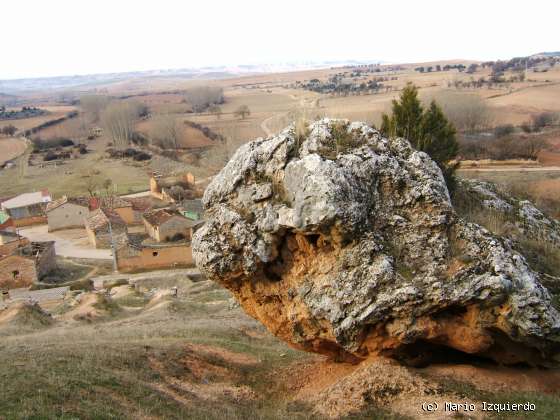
(66, 37)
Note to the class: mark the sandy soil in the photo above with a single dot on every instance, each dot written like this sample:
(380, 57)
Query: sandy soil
(499, 378)
(331, 387)
(84, 309)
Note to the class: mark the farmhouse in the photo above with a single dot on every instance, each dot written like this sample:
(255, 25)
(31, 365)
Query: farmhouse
(67, 213)
(7, 236)
(147, 254)
(27, 209)
(141, 205)
(6, 222)
(166, 225)
(103, 223)
(173, 188)
(192, 209)
(118, 205)
(10, 239)
(26, 264)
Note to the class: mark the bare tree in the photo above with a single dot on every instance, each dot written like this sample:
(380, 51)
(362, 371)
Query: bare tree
(468, 112)
(94, 105)
(166, 132)
(201, 97)
(92, 182)
(533, 146)
(216, 110)
(118, 121)
(242, 111)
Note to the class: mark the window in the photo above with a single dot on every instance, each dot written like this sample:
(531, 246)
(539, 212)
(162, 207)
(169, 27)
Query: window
(15, 273)
(155, 254)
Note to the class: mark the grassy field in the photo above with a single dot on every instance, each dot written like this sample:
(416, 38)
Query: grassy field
(11, 148)
(72, 177)
(146, 355)
(54, 113)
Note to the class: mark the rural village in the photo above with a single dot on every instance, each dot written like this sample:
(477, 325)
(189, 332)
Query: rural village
(346, 239)
(144, 232)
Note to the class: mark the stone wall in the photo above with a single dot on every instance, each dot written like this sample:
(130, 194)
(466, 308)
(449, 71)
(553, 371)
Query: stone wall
(67, 216)
(176, 225)
(132, 259)
(46, 261)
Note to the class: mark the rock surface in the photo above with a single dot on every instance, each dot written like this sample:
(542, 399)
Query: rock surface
(345, 243)
(524, 219)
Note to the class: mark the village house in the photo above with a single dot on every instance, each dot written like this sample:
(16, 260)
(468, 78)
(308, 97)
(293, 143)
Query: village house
(141, 205)
(173, 188)
(166, 225)
(67, 213)
(148, 254)
(6, 222)
(118, 205)
(25, 263)
(10, 241)
(27, 209)
(192, 209)
(101, 224)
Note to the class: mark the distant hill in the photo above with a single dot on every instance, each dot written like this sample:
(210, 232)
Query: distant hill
(90, 81)
(548, 54)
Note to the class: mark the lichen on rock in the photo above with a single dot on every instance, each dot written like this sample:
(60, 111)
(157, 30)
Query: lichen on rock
(345, 243)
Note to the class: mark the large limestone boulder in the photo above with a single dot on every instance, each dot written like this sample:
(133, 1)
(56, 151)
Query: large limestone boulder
(345, 243)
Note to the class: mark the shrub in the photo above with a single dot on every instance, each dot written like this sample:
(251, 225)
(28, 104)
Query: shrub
(50, 156)
(142, 156)
(130, 152)
(526, 127)
(504, 130)
(544, 119)
(9, 130)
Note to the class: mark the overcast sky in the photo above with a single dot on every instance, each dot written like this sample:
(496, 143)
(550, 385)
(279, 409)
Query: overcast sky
(64, 37)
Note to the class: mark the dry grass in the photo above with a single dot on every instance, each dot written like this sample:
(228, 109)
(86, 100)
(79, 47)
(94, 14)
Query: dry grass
(152, 356)
(541, 187)
(10, 148)
(55, 112)
(71, 177)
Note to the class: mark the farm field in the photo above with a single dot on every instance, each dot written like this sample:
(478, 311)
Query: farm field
(10, 148)
(55, 111)
(274, 103)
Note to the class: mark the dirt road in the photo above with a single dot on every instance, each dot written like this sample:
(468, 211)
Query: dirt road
(72, 243)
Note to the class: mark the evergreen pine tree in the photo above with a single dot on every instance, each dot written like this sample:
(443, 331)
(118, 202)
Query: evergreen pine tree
(427, 130)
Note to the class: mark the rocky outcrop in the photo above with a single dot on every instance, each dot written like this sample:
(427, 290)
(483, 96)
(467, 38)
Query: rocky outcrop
(521, 217)
(345, 243)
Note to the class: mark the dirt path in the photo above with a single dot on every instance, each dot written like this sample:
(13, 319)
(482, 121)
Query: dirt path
(513, 169)
(264, 126)
(11, 148)
(70, 243)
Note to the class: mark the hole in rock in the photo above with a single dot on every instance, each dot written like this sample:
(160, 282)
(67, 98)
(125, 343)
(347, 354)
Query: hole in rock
(313, 239)
(423, 353)
(269, 272)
